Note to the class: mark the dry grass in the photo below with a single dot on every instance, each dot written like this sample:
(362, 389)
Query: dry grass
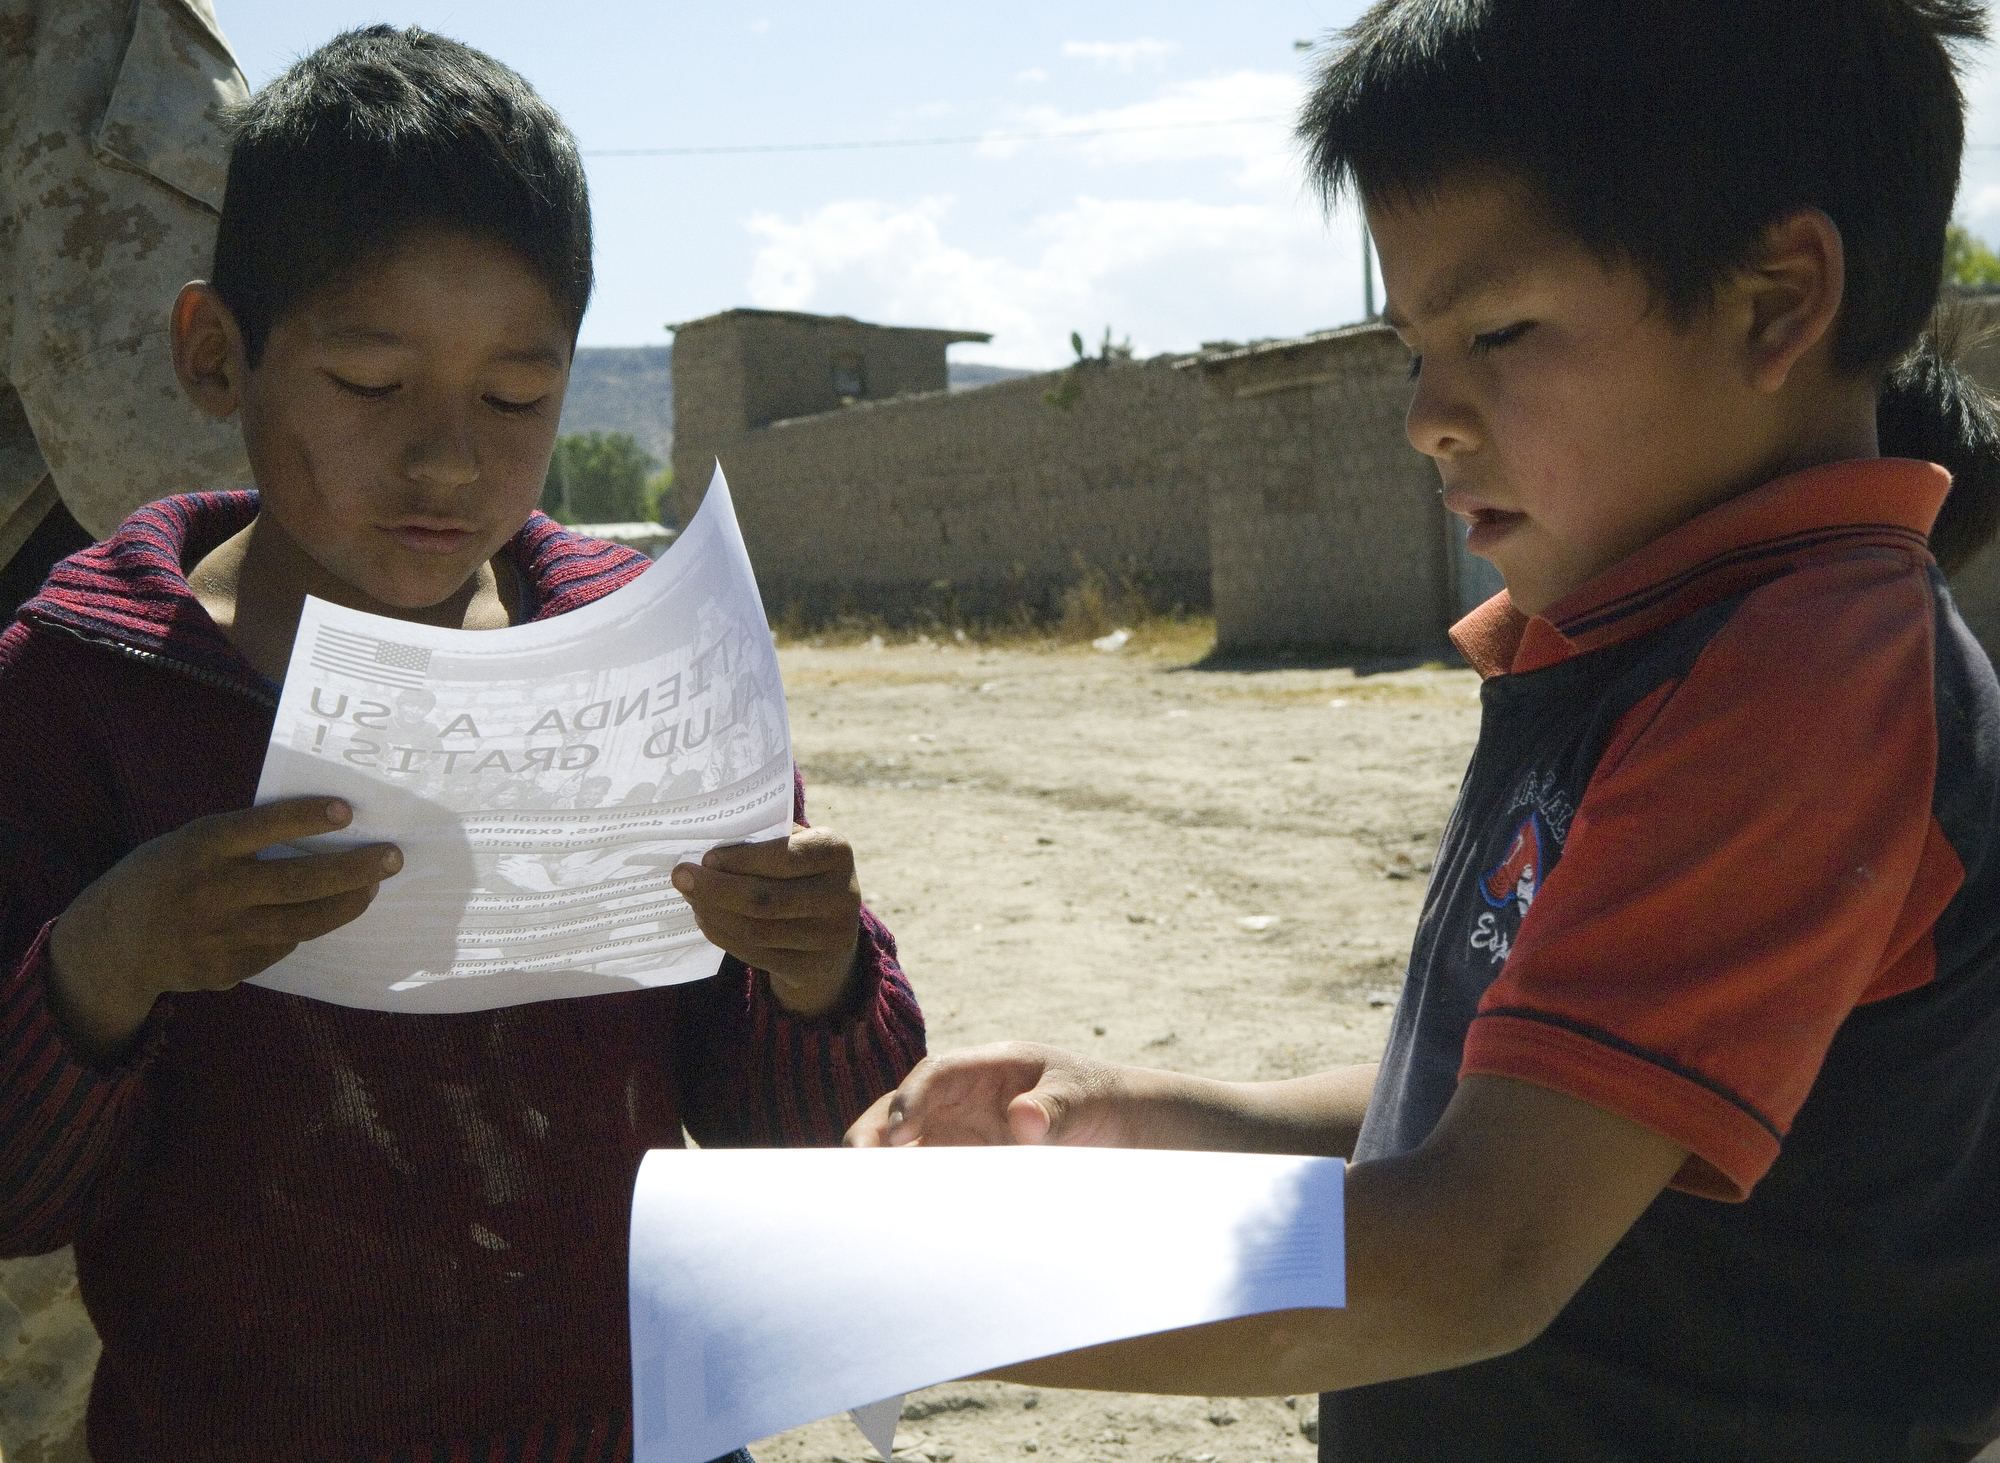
(1099, 603)
(1096, 603)
(1185, 636)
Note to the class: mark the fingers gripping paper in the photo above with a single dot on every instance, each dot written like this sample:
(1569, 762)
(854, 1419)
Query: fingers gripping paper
(542, 781)
(768, 1292)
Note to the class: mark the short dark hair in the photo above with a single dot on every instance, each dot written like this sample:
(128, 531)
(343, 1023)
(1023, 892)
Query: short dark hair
(1673, 133)
(376, 135)
(1931, 409)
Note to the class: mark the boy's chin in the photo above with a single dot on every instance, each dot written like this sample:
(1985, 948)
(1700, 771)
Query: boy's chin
(415, 592)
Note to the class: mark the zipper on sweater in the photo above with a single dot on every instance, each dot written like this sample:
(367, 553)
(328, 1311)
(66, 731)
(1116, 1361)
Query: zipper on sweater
(165, 662)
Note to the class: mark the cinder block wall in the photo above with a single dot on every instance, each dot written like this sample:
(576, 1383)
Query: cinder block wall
(1280, 488)
(746, 369)
(1275, 483)
(975, 500)
(1325, 524)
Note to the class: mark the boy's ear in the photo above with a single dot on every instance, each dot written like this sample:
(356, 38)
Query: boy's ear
(1791, 293)
(209, 356)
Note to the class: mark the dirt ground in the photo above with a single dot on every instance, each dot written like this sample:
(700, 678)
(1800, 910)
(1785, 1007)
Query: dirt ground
(1210, 869)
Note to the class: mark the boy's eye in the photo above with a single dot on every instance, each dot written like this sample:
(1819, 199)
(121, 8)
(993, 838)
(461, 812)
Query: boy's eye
(1494, 339)
(515, 408)
(355, 388)
(1416, 367)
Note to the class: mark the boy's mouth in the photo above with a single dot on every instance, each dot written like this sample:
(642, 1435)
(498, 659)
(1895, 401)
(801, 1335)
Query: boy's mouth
(1477, 512)
(420, 538)
(1484, 524)
(1485, 527)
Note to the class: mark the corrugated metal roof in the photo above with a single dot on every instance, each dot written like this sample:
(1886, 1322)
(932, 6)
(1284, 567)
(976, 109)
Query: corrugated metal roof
(741, 311)
(1279, 347)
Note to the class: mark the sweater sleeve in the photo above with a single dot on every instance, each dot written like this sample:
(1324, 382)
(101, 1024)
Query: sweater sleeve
(754, 1075)
(62, 1122)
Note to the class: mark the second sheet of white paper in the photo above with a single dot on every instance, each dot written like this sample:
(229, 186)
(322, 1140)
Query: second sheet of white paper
(770, 1289)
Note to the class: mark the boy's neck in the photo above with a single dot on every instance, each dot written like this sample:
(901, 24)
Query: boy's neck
(1839, 427)
(254, 586)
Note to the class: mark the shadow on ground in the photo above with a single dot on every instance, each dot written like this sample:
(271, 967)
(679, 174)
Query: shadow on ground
(1362, 663)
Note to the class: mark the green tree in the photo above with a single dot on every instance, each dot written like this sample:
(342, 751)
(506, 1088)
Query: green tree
(1968, 262)
(658, 486)
(597, 477)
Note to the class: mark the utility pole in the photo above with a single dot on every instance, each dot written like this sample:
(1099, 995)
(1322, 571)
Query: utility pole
(1367, 269)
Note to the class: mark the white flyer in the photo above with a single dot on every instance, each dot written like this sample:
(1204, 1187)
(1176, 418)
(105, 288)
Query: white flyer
(769, 1287)
(542, 781)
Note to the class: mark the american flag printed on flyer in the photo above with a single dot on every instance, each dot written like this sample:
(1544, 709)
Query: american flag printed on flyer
(371, 659)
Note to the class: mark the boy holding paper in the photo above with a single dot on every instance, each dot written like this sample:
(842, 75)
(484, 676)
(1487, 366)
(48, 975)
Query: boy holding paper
(1686, 1142)
(303, 1230)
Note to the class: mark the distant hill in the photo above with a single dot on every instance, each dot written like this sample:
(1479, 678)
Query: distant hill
(965, 376)
(631, 389)
(623, 389)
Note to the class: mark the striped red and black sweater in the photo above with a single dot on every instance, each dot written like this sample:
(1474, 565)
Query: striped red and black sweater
(311, 1232)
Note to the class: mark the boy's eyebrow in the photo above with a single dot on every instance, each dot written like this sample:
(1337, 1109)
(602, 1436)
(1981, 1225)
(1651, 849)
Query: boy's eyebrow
(1476, 276)
(360, 335)
(539, 355)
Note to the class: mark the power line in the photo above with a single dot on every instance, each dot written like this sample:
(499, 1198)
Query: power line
(923, 141)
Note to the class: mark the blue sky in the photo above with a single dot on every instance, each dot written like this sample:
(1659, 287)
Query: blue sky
(1180, 233)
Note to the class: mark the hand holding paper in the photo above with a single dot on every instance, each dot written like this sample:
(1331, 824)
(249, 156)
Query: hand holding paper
(542, 782)
(195, 909)
(790, 907)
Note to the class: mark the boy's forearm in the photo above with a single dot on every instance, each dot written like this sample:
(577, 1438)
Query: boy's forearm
(1318, 1115)
(1461, 1250)
(1420, 1299)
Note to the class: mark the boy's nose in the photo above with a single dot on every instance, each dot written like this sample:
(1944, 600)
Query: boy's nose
(1440, 423)
(447, 457)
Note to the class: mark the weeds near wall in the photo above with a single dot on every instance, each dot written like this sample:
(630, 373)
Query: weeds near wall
(1067, 394)
(1190, 636)
(1099, 603)
(1093, 603)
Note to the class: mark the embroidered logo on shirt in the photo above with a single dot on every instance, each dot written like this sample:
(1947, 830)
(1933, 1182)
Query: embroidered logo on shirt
(1540, 793)
(1509, 887)
(1514, 878)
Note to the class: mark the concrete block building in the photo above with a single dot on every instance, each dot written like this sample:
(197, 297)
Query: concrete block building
(1325, 526)
(1270, 481)
(863, 483)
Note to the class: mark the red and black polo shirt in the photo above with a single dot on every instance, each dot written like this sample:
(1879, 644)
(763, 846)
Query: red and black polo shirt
(1723, 864)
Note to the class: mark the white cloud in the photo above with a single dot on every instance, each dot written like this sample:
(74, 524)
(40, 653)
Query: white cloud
(1179, 125)
(1116, 261)
(895, 259)
(1033, 76)
(1229, 244)
(1984, 201)
(1120, 55)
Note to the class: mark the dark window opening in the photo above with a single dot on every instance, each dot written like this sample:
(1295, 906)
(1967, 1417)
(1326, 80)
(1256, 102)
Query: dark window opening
(850, 383)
